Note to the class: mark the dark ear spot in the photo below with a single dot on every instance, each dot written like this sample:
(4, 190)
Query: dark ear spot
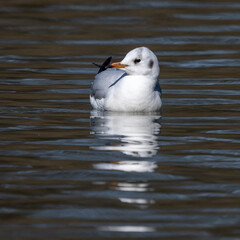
(150, 64)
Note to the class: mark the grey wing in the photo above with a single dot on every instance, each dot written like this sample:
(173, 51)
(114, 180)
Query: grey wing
(158, 88)
(104, 80)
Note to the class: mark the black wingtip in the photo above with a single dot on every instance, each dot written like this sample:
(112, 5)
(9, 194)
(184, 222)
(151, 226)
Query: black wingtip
(105, 65)
(97, 65)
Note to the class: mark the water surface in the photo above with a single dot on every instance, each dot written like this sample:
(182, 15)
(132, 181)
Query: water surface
(68, 172)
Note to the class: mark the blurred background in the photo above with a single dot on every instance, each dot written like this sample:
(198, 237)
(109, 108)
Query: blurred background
(67, 172)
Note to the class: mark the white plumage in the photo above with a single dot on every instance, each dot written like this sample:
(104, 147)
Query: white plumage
(134, 88)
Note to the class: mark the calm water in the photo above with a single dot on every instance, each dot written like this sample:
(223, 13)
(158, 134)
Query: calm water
(70, 173)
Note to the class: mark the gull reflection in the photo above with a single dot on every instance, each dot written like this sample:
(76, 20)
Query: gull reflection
(135, 135)
(134, 187)
(127, 166)
(126, 228)
(132, 134)
(137, 201)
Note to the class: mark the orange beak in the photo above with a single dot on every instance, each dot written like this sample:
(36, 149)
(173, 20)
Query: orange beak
(117, 65)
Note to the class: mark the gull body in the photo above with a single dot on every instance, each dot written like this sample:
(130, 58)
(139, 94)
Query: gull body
(131, 85)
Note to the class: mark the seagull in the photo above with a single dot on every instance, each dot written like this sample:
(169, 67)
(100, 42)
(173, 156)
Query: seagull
(131, 85)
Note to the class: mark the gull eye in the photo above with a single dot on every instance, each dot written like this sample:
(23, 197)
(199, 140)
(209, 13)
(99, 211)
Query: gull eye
(137, 60)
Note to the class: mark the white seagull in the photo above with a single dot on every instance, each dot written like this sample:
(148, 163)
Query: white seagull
(131, 85)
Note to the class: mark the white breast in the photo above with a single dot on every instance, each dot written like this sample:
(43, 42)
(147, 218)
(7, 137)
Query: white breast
(133, 93)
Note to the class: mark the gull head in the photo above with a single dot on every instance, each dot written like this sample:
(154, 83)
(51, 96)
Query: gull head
(139, 61)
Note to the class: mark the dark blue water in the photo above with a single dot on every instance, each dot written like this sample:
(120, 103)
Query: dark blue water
(67, 172)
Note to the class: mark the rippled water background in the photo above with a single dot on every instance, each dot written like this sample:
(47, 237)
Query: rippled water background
(70, 173)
